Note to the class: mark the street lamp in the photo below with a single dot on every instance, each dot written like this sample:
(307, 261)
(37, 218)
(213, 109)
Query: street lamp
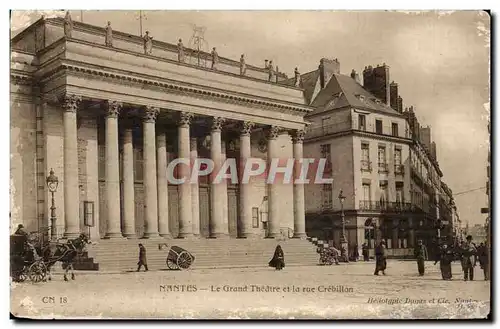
(52, 183)
(343, 239)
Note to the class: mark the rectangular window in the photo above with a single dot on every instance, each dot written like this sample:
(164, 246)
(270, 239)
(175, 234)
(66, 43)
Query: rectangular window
(362, 122)
(382, 163)
(101, 170)
(399, 194)
(255, 217)
(395, 130)
(378, 127)
(88, 213)
(365, 157)
(397, 156)
(327, 195)
(384, 196)
(366, 202)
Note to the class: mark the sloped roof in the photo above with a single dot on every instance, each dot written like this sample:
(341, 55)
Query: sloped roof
(342, 91)
(308, 81)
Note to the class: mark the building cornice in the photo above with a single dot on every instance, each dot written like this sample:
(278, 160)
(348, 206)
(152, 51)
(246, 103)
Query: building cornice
(142, 80)
(20, 77)
(360, 133)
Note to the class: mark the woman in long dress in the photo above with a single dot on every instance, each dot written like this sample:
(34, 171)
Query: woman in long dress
(445, 257)
(278, 261)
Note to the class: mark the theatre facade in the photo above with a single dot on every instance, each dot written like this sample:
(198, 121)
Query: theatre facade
(109, 118)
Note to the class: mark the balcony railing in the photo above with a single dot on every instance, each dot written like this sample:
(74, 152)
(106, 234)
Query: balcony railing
(323, 130)
(383, 167)
(366, 165)
(386, 206)
(399, 169)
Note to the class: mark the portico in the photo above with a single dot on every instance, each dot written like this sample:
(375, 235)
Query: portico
(133, 114)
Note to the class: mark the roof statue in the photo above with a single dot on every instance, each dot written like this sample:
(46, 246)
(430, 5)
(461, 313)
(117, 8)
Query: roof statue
(243, 66)
(148, 43)
(109, 35)
(180, 51)
(68, 25)
(215, 59)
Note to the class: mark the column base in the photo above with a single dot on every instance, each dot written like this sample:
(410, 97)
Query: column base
(130, 235)
(151, 235)
(302, 236)
(166, 235)
(71, 235)
(185, 236)
(274, 235)
(251, 236)
(219, 236)
(113, 235)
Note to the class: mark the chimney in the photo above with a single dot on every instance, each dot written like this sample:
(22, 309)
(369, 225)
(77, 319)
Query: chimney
(376, 81)
(355, 76)
(425, 137)
(400, 104)
(327, 68)
(394, 95)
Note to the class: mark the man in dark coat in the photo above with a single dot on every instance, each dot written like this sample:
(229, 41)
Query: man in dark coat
(483, 259)
(468, 259)
(421, 255)
(366, 252)
(278, 261)
(380, 258)
(142, 258)
(445, 258)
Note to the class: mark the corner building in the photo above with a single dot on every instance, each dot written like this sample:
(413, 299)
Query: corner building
(109, 119)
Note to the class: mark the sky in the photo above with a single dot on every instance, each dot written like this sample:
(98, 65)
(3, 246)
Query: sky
(440, 60)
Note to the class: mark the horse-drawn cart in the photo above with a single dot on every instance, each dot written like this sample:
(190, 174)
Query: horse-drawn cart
(24, 260)
(178, 258)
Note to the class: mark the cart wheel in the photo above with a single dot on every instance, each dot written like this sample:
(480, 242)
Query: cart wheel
(184, 260)
(37, 271)
(20, 276)
(172, 265)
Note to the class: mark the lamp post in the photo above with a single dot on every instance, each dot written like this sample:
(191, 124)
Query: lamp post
(343, 239)
(52, 183)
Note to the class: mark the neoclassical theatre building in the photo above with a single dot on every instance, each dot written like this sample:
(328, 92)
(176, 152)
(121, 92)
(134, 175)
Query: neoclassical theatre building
(108, 111)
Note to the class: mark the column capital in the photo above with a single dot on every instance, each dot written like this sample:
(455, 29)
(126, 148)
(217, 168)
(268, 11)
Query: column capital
(298, 136)
(150, 114)
(273, 132)
(185, 119)
(246, 128)
(217, 123)
(71, 102)
(113, 108)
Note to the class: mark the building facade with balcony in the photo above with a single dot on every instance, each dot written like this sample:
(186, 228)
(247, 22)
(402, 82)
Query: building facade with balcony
(367, 144)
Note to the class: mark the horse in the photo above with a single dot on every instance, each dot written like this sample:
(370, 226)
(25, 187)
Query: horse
(64, 253)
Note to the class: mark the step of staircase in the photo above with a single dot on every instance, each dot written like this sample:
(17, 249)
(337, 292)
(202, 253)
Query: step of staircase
(122, 254)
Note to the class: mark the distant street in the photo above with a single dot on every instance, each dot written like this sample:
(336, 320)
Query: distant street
(343, 291)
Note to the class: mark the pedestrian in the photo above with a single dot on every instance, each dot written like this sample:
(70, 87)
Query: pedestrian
(278, 260)
(142, 258)
(445, 258)
(483, 259)
(468, 259)
(380, 258)
(366, 252)
(421, 255)
(355, 253)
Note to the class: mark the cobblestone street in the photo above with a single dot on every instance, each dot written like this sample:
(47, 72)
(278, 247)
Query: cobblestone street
(343, 291)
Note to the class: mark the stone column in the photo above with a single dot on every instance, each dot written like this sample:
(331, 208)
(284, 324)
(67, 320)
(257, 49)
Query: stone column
(161, 157)
(299, 221)
(185, 211)
(195, 194)
(217, 228)
(273, 192)
(128, 184)
(112, 171)
(149, 176)
(225, 201)
(245, 189)
(71, 190)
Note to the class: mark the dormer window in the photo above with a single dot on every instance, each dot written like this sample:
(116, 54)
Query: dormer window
(360, 97)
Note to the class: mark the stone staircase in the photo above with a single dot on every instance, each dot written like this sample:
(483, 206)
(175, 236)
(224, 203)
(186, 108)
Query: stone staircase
(122, 254)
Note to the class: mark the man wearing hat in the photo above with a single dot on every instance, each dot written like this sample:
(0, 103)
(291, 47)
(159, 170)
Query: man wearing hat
(380, 258)
(468, 259)
(421, 256)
